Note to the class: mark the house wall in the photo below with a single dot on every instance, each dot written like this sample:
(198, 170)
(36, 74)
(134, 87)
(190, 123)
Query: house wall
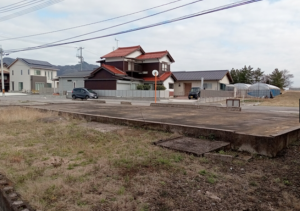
(118, 64)
(225, 80)
(165, 59)
(67, 84)
(167, 82)
(37, 79)
(149, 67)
(101, 84)
(17, 77)
(179, 90)
(134, 54)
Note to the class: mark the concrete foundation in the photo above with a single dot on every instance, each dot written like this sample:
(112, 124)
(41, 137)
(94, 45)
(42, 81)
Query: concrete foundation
(265, 134)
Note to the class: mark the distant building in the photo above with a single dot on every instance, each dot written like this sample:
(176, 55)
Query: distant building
(125, 68)
(213, 80)
(27, 75)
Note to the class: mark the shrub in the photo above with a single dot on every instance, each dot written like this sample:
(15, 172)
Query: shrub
(146, 87)
(140, 87)
(160, 87)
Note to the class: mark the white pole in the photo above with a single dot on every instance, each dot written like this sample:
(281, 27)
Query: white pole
(2, 75)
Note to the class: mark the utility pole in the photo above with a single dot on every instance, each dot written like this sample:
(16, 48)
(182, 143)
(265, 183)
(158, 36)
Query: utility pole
(2, 75)
(80, 57)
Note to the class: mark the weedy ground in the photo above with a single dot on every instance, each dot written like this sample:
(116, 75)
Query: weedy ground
(56, 164)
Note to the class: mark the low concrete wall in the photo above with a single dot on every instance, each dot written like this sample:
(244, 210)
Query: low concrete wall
(263, 145)
(9, 199)
(208, 107)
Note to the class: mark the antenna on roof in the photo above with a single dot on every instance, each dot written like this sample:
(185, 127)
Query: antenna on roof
(117, 41)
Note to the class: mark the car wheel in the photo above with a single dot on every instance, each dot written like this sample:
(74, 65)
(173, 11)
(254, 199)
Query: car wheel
(74, 97)
(86, 97)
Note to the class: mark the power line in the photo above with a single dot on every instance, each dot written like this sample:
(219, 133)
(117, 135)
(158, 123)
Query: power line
(124, 23)
(13, 4)
(225, 7)
(29, 10)
(33, 35)
(21, 6)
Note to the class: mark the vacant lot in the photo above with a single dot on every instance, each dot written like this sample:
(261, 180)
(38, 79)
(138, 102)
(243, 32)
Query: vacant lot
(287, 99)
(56, 164)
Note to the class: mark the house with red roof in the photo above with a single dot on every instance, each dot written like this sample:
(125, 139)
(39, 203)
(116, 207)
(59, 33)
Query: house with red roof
(126, 67)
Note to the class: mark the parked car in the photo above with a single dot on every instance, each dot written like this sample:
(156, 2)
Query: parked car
(195, 93)
(83, 93)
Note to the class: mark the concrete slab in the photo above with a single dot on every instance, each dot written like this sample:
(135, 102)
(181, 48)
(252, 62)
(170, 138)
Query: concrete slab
(255, 132)
(192, 145)
(104, 128)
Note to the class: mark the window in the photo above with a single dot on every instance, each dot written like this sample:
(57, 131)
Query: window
(38, 86)
(164, 67)
(28, 72)
(130, 66)
(12, 86)
(171, 86)
(51, 75)
(21, 72)
(48, 74)
(12, 72)
(222, 86)
(69, 80)
(37, 72)
(48, 85)
(207, 86)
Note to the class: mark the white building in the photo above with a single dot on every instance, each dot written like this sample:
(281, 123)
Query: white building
(213, 80)
(28, 75)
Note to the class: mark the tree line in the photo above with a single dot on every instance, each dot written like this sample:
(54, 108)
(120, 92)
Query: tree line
(249, 75)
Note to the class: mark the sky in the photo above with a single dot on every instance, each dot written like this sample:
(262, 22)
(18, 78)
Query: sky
(264, 35)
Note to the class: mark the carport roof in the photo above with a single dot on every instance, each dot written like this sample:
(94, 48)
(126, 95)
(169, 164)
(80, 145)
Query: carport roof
(208, 75)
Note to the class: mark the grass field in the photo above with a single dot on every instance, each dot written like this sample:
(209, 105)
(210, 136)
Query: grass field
(287, 99)
(58, 165)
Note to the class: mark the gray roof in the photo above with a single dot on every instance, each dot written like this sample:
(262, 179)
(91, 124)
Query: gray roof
(38, 64)
(81, 74)
(208, 75)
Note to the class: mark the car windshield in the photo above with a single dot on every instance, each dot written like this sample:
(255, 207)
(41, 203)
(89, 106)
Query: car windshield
(195, 90)
(91, 91)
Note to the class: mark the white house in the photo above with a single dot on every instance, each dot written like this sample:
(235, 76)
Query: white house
(27, 75)
(213, 80)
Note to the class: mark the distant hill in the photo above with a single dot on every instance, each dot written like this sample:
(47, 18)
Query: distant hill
(8, 60)
(66, 69)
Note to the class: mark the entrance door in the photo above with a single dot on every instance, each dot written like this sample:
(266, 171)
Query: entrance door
(187, 88)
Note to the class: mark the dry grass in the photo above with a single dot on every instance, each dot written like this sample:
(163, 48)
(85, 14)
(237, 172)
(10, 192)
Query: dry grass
(287, 99)
(63, 166)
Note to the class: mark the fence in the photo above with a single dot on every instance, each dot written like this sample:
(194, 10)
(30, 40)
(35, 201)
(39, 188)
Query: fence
(46, 91)
(133, 93)
(216, 93)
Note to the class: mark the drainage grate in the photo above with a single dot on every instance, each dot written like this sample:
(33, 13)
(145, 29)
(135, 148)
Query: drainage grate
(194, 146)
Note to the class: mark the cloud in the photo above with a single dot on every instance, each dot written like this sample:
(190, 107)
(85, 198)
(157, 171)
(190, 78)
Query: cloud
(264, 34)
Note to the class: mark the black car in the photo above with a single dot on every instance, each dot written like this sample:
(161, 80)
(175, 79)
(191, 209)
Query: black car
(195, 93)
(83, 93)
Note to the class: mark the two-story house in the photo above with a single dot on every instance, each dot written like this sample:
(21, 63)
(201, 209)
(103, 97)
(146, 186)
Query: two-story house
(6, 78)
(127, 67)
(27, 75)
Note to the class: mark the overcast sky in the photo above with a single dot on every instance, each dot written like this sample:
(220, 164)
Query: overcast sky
(264, 34)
